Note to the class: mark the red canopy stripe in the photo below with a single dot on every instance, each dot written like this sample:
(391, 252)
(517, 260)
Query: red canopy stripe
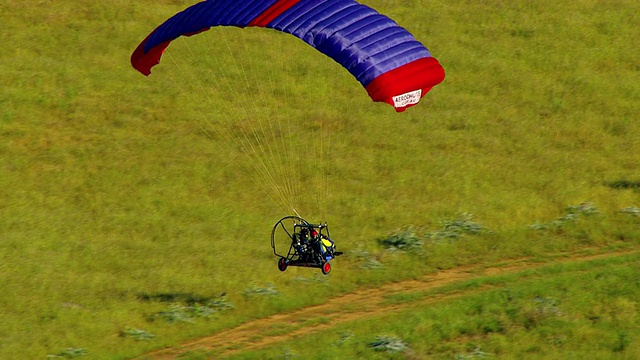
(273, 12)
(421, 74)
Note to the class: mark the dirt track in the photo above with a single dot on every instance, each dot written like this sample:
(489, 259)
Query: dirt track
(357, 305)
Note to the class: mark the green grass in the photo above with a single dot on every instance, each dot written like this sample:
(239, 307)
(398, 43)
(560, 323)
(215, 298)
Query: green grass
(572, 310)
(114, 187)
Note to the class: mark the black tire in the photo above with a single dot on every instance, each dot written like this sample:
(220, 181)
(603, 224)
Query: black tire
(326, 268)
(282, 264)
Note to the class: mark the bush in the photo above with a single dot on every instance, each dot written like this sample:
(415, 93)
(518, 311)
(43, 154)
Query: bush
(388, 343)
(454, 229)
(404, 240)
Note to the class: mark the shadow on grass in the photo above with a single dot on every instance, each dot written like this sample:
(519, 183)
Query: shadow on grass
(178, 297)
(624, 184)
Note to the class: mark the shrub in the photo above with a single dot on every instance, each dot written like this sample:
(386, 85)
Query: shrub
(268, 289)
(454, 229)
(635, 211)
(186, 313)
(68, 353)
(403, 240)
(388, 343)
(572, 213)
(137, 334)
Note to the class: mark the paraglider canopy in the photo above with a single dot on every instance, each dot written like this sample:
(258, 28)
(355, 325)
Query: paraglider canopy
(386, 59)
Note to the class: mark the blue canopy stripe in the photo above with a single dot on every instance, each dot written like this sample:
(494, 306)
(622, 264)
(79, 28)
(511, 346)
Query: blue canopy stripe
(365, 42)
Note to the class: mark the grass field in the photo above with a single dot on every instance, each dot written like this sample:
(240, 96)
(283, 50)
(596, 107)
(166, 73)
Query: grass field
(568, 310)
(126, 212)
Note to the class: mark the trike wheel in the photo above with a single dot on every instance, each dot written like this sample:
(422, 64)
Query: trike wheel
(326, 268)
(282, 264)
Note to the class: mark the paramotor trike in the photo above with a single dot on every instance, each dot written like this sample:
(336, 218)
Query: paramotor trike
(298, 243)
